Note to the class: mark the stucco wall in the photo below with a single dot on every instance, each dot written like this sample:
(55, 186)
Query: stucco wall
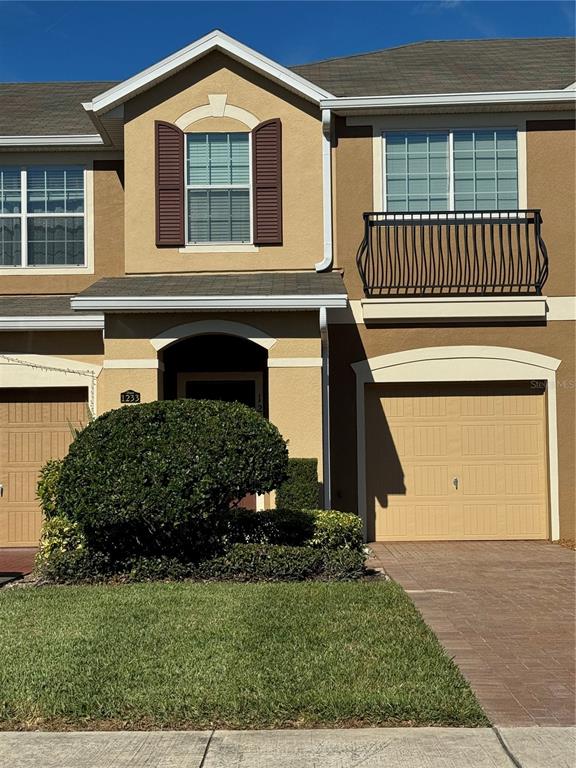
(301, 178)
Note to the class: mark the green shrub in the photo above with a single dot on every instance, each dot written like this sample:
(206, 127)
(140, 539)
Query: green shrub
(158, 479)
(59, 535)
(270, 562)
(337, 530)
(300, 489)
(47, 487)
(156, 569)
(77, 566)
(270, 526)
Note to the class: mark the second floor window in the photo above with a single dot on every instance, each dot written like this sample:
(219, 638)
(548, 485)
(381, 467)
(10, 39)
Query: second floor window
(460, 170)
(218, 188)
(41, 216)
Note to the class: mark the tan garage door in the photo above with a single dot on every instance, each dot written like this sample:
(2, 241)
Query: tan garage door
(457, 461)
(35, 425)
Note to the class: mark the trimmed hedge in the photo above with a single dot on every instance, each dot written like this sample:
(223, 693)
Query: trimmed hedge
(269, 562)
(243, 562)
(335, 530)
(158, 479)
(301, 489)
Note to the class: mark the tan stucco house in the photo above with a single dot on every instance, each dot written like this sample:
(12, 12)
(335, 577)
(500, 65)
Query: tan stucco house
(377, 252)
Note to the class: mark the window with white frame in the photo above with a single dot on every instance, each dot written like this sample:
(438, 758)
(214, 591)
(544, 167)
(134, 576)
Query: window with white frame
(42, 216)
(218, 188)
(459, 170)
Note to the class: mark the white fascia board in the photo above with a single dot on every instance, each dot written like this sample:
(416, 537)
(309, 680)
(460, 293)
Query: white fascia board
(448, 99)
(128, 303)
(450, 308)
(213, 41)
(51, 323)
(73, 140)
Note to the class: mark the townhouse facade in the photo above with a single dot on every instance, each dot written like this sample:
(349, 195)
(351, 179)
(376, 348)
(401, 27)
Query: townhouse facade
(377, 252)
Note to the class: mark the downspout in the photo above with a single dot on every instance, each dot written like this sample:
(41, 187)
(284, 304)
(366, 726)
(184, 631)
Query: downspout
(326, 262)
(326, 473)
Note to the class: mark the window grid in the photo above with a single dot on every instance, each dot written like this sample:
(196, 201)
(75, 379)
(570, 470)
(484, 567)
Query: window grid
(505, 176)
(74, 246)
(211, 225)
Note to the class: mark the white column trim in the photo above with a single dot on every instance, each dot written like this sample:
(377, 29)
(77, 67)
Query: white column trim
(459, 363)
(294, 362)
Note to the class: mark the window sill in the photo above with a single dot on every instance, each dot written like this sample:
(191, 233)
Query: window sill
(52, 270)
(220, 248)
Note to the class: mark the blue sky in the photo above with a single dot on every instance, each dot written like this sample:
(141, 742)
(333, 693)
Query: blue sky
(110, 40)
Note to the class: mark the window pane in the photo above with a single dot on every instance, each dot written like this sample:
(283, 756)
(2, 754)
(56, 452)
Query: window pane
(10, 242)
(55, 190)
(218, 215)
(55, 240)
(417, 168)
(485, 170)
(10, 190)
(218, 158)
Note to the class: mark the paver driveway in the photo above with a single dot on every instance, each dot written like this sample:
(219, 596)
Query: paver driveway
(15, 562)
(505, 612)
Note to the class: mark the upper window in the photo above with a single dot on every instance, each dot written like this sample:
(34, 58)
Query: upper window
(218, 188)
(460, 170)
(41, 216)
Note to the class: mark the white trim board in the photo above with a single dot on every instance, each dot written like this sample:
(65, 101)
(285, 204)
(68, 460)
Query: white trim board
(448, 99)
(452, 364)
(73, 140)
(51, 323)
(434, 309)
(128, 303)
(214, 41)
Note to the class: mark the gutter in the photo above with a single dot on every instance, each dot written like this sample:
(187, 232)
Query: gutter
(72, 140)
(130, 303)
(448, 99)
(51, 322)
(326, 262)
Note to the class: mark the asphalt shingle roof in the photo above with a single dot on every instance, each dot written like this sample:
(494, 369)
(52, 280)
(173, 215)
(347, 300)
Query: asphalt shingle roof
(47, 109)
(450, 66)
(438, 66)
(33, 306)
(219, 284)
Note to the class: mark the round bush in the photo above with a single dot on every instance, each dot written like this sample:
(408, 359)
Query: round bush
(160, 477)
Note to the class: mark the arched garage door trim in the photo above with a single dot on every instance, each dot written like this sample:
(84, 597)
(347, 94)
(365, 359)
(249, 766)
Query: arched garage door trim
(451, 364)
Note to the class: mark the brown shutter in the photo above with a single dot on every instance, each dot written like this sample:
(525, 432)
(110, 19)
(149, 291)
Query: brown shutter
(267, 182)
(169, 184)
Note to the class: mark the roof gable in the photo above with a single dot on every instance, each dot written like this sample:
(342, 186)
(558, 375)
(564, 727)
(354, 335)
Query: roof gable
(214, 41)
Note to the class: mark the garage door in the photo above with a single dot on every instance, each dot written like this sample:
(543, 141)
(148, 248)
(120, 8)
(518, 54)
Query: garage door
(457, 461)
(35, 425)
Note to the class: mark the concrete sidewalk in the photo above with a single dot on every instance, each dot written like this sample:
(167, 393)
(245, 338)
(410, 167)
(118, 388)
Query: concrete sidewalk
(369, 748)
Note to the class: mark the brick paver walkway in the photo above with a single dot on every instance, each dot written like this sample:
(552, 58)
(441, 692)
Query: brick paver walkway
(506, 612)
(16, 560)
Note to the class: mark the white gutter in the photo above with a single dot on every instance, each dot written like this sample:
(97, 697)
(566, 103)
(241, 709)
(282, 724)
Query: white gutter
(326, 262)
(72, 140)
(448, 99)
(128, 303)
(51, 322)
(326, 470)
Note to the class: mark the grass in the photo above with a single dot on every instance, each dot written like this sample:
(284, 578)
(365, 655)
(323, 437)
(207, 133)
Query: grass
(224, 655)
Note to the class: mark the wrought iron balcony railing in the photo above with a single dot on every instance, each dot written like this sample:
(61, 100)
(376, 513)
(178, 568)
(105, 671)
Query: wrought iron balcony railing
(453, 253)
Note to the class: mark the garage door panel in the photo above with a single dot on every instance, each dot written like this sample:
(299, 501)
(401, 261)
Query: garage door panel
(35, 425)
(469, 461)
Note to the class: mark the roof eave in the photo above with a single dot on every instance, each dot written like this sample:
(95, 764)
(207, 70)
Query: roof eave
(71, 140)
(213, 41)
(171, 303)
(363, 103)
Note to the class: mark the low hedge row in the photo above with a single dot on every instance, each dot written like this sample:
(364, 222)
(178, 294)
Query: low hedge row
(243, 562)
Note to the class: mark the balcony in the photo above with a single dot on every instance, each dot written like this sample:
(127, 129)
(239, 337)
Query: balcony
(476, 264)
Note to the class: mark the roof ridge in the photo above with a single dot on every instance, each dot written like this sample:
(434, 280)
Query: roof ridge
(428, 42)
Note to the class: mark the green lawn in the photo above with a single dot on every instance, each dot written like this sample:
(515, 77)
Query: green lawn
(224, 655)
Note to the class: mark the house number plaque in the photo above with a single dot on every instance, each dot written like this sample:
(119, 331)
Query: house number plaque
(130, 396)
